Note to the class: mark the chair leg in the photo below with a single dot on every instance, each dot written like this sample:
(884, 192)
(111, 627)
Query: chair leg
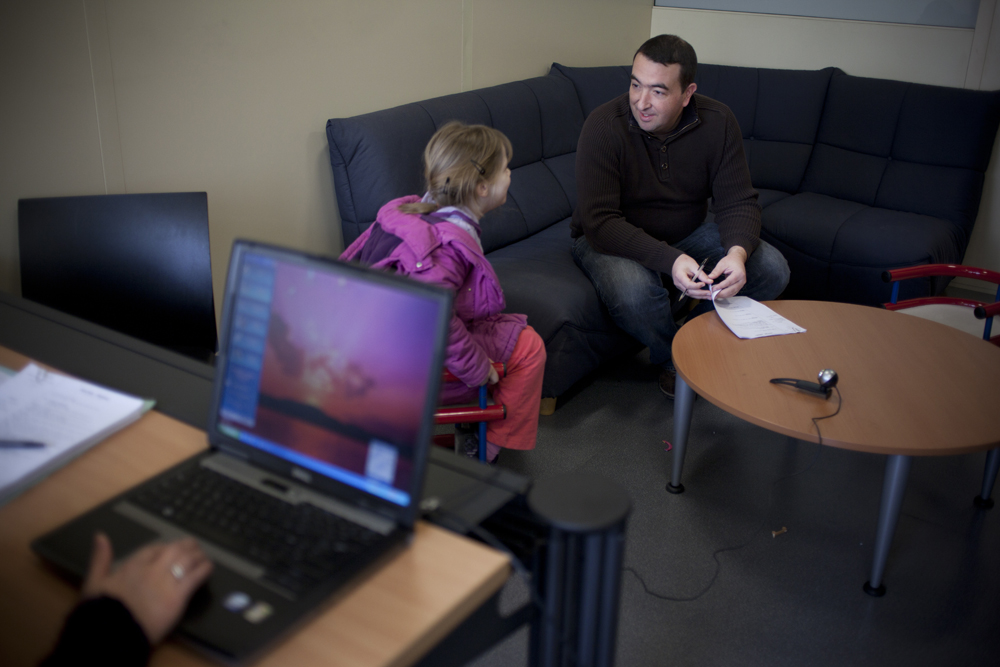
(547, 407)
(482, 425)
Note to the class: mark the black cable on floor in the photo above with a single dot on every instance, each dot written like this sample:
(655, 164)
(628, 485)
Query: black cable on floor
(753, 535)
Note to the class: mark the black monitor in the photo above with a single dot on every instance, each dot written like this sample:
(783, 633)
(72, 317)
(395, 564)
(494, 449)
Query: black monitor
(138, 263)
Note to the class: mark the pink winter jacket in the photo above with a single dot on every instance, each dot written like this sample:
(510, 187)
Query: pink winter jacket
(431, 250)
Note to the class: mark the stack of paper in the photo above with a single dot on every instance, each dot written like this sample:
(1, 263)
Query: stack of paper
(46, 419)
(750, 319)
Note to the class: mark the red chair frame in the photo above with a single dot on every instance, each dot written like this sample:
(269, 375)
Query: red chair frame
(470, 413)
(982, 310)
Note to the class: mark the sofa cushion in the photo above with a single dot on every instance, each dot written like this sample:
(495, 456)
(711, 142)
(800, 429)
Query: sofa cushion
(766, 197)
(779, 113)
(576, 323)
(595, 85)
(809, 222)
(786, 121)
(736, 87)
(367, 153)
(911, 147)
(560, 122)
(882, 239)
(820, 235)
(534, 200)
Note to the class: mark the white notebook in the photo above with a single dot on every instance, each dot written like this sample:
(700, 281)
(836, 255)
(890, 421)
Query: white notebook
(47, 419)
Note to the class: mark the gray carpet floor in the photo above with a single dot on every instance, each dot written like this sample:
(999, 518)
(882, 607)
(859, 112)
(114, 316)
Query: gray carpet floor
(706, 583)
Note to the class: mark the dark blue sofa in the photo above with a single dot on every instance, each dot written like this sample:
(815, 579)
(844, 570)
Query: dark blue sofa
(855, 176)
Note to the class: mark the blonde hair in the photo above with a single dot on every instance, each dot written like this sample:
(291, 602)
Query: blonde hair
(457, 159)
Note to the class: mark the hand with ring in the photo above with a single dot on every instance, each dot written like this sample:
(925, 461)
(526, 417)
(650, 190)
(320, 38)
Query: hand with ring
(155, 583)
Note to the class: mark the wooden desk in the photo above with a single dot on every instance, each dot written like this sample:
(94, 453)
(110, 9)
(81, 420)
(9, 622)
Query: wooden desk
(910, 387)
(393, 618)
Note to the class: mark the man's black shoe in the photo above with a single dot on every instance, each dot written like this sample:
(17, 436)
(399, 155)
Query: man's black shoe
(667, 378)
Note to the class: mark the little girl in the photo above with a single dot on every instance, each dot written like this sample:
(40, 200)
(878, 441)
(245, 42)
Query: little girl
(436, 239)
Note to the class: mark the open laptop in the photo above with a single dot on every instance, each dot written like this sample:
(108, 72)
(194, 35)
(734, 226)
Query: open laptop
(321, 419)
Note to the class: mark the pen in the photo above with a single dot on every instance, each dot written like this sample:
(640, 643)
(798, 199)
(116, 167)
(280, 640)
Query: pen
(703, 263)
(21, 444)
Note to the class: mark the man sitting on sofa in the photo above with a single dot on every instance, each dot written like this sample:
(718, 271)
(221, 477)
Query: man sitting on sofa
(646, 165)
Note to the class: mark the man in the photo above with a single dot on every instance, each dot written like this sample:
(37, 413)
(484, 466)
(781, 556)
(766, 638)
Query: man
(646, 165)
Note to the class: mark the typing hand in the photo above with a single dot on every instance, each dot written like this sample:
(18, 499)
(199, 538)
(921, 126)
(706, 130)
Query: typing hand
(155, 583)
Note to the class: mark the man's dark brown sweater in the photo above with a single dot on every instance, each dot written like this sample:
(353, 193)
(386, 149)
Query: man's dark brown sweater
(638, 194)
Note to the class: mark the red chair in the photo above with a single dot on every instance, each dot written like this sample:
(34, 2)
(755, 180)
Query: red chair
(955, 312)
(464, 414)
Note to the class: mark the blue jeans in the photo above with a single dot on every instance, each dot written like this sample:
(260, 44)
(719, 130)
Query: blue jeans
(639, 299)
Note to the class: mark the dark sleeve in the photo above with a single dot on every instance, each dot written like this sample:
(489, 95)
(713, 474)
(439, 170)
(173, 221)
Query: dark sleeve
(598, 214)
(100, 631)
(734, 199)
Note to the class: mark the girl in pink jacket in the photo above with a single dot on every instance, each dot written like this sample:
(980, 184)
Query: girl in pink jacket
(436, 239)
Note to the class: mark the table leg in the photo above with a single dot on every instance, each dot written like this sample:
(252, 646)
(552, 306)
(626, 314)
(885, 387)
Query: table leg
(897, 469)
(983, 500)
(683, 404)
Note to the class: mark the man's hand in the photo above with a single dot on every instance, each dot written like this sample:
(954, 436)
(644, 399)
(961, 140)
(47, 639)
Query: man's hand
(685, 279)
(155, 583)
(730, 274)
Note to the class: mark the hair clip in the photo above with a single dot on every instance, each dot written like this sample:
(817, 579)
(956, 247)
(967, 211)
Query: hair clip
(482, 172)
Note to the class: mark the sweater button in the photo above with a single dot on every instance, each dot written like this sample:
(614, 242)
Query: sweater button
(663, 166)
(419, 264)
(663, 149)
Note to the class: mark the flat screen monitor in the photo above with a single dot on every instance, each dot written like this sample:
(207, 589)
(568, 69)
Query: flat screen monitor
(137, 263)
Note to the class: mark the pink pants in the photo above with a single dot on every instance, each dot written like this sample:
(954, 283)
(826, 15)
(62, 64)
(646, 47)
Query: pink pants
(521, 392)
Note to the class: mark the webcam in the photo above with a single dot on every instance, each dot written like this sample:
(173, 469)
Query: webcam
(827, 381)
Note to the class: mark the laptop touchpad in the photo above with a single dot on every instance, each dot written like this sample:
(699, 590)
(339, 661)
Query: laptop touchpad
(71, 546)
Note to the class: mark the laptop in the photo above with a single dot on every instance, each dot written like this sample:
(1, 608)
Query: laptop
(321, 419)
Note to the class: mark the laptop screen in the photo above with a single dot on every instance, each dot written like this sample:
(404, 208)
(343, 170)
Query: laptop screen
(331, 368)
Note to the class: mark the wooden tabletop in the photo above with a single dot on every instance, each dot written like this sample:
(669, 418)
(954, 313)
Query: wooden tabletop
(392, 618)
(909, 386)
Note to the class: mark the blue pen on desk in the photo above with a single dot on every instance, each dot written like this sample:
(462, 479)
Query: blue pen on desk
(21, 444)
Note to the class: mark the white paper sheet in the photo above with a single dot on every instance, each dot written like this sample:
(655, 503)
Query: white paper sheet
(65, 414)
(750, 319)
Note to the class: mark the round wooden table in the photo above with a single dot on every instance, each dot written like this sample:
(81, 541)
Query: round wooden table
(909, 387)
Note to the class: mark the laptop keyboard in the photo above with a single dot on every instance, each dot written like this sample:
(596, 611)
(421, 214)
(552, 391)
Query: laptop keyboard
(298, 545)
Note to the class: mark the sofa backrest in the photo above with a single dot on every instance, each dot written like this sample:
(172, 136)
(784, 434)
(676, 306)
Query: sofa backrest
(901, 146)
(376, 157)
(778, 111)
(905, 146)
